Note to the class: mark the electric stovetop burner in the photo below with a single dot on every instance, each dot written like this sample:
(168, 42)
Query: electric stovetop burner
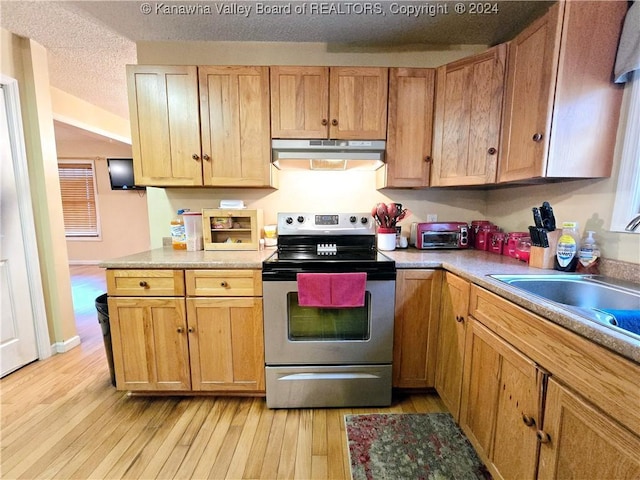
(327, 243)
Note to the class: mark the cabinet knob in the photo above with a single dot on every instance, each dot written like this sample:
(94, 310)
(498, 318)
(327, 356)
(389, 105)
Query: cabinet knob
(180, 329)
(543, 437)
(428, 159)
(195, 156)
(459, 318)
(206, 157)
(324, 122)
(334, 122)
(536, 137)
(492, 151)
(224, 284)
(143, 284)
(191, 329)
(528, 421)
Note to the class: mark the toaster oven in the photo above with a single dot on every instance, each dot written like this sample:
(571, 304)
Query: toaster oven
(439, 235)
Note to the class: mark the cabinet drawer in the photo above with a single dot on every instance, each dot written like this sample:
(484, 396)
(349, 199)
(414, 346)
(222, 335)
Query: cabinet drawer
(147, 283)
(606, 379)
(224, 283)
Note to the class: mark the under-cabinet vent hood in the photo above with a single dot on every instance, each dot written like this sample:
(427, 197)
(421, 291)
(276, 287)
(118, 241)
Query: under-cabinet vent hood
(328, 154)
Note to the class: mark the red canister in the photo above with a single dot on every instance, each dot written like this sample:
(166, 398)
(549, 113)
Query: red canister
(482, 236)
(511, 242)
(495, 241)
(473, 230)
(523, 249)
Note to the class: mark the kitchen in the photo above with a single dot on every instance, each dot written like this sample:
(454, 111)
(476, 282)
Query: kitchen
(505, 206)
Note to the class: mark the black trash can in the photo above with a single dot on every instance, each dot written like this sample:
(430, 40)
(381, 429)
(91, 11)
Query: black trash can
(103, 319)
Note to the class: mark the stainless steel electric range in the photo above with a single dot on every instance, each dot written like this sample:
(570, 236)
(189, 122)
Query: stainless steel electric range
(326, 354)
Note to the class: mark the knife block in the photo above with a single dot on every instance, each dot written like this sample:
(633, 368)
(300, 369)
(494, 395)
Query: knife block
(543, 257)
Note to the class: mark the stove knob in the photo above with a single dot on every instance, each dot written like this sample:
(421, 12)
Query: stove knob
(289, 220)
(353, 219)
(300, 219)
(364, 220)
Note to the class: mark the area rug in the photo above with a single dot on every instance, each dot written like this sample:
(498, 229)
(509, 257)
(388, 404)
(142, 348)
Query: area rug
(426, 446)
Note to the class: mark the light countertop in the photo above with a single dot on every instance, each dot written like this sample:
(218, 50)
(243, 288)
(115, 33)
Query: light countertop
(475, 266)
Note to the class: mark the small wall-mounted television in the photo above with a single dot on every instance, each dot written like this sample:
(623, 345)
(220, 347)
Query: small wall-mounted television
(121, 174)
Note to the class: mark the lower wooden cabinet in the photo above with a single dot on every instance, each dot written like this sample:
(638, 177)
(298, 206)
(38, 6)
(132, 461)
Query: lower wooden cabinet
(579, 441)
(226, 343)
(454, 312)
(198, 343)
(416, 328)
(539, 401)
(150, 345)
(500, 404)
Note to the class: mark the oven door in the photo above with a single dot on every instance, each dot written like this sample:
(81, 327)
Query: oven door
(296, 335)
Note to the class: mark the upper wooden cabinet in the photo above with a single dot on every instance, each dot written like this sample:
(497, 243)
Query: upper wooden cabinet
(234, 117)
(561, 106)
(165, 125)
(329, 102)
(299, 102)
(195, 126)
(409, 131)
(468, 113)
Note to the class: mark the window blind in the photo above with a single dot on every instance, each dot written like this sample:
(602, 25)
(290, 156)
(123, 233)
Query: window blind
(77, 186)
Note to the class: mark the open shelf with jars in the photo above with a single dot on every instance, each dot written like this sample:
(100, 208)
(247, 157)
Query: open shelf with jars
(231, 229)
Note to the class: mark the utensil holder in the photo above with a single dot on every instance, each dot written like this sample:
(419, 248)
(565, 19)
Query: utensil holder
(543, 257)
(386, 239)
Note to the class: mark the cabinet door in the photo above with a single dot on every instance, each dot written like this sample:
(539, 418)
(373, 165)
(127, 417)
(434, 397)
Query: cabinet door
(226, 342)
(411, 92)
(582, 442)
(358, 103)
(467, 119)
(165, 125)
(533, 60)
(150, 345)
(299, 102)
(454, 311)
(416, 328)
(236, 139)
(500, 403)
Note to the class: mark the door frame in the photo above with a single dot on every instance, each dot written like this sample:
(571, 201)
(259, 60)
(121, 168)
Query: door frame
(23, 188)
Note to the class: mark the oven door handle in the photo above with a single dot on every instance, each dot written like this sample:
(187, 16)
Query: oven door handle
(326, 376)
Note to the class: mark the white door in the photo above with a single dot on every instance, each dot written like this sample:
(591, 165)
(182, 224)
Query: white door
(18, 344)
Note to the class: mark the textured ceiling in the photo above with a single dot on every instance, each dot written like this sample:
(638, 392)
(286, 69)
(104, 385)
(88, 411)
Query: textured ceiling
(89, 42)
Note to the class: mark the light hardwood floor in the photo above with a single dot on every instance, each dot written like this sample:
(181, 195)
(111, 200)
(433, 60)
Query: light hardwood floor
(61, 418)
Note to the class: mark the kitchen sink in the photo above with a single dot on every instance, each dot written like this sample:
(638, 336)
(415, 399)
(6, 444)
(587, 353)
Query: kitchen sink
(591, 296)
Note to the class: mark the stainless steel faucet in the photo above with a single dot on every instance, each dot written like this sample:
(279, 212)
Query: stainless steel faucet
(633, 224)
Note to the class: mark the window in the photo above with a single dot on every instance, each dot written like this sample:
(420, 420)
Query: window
(78, 188)
(627, 202)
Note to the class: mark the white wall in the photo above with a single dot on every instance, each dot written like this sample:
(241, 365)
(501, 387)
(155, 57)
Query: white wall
(316, 191)
(122, 215)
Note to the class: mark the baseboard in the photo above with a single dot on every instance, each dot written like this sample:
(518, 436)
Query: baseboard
(85, 262)
(62, 347)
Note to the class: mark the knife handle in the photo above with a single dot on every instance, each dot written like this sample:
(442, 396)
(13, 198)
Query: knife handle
(537, 218)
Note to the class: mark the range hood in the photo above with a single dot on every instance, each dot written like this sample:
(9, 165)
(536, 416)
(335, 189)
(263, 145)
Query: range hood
(328, 154)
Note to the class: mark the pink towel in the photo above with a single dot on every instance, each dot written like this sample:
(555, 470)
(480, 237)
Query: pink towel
(331, 290)
(347, 289)
(314, 289)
